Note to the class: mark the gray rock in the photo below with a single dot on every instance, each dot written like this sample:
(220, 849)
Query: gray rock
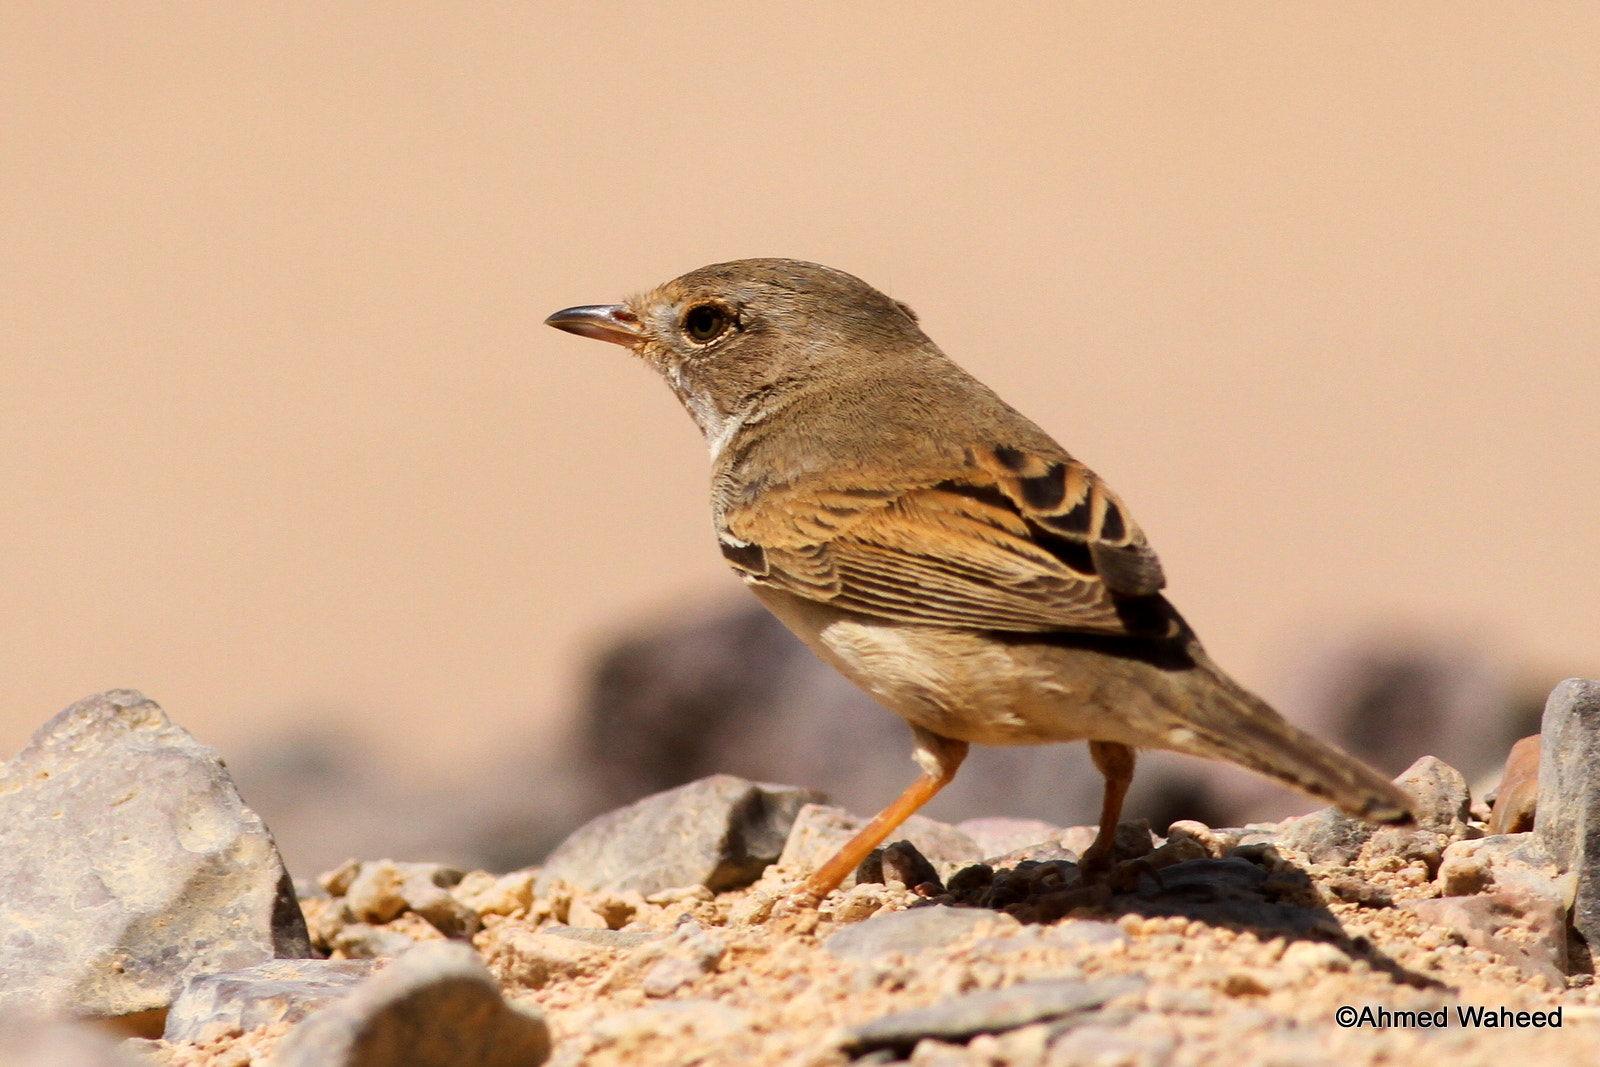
(130, 865)
(604, 938)
(276, 991)
(436, 1006)
(907, 932)
(1441, 801)
(673, 963)
(1568, 817)
(990, 1011)
(720, 832)
(1327, 836)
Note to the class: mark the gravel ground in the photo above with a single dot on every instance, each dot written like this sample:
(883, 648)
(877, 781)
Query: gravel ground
(737, 980)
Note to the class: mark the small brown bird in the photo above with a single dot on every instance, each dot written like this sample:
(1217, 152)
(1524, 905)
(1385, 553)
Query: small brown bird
(938, 548)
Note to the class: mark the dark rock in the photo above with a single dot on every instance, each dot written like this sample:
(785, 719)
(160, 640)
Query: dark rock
(436, 1006)
(906, 932)
(720, 832)
(1568, 820)
(131, 865)
(1231, 874)
(904, 865)
(1027, 880)
(869, 871)
(990, 1011)
(1227, 891)
(969, 882)
(1134, 838)
(276, 991)
(37, 1043)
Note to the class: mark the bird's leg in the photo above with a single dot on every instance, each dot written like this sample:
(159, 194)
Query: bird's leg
(1116, 763)
(939, 758)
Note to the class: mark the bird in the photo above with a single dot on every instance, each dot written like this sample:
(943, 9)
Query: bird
(939, 549)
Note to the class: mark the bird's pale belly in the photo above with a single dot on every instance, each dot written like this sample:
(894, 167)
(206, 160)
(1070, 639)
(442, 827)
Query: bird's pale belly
(956, 684)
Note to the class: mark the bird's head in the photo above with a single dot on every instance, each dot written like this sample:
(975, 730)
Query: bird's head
(733, 336)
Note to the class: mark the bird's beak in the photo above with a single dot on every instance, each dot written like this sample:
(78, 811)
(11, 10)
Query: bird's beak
(603, 322)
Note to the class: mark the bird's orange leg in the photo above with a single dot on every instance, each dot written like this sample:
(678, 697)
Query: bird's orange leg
(940, 758)
(1116, 763)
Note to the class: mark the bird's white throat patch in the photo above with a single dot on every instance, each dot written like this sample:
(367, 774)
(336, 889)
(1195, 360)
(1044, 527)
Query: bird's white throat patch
(717, 426)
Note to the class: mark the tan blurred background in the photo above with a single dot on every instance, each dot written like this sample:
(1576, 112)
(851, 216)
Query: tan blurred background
(1317, 287)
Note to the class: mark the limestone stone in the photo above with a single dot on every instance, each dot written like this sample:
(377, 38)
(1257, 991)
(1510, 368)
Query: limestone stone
(989, 1011)
(130, 865)
(1568, 819)
(435, 1006)
(271, 992)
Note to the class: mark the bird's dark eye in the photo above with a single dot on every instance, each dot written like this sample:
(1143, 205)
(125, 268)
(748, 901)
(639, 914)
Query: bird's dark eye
(705, 323)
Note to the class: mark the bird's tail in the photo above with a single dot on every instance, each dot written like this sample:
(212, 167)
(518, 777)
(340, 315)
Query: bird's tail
(1229, 722)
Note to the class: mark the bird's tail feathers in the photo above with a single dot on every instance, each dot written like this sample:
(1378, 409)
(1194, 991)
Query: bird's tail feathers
(1233, 724)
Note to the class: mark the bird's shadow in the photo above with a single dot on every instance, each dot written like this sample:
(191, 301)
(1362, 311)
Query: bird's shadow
(1252, 890)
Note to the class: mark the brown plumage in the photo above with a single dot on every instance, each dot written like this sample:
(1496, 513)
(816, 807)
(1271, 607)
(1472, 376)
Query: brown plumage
(937, 547)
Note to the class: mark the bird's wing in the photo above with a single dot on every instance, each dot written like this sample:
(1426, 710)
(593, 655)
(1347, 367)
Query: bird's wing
(1013, 541)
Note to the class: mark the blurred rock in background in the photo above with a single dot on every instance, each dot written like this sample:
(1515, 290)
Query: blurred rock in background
(723, 687)
(728, 689)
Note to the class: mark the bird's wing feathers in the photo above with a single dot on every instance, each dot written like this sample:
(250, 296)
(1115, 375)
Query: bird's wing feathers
(1015, 541)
